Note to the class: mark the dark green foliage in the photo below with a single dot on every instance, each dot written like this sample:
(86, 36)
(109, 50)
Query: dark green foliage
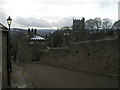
(57, 40)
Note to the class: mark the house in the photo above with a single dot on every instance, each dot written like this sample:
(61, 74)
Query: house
(4, 72)
(28, 46)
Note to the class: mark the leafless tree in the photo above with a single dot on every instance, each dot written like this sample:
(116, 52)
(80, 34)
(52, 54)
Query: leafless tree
(106, 23)
(90, 25)
(116, 25)
(98, 23)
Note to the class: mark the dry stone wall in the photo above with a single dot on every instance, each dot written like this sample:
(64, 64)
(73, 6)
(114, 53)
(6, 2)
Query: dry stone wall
(99, 56)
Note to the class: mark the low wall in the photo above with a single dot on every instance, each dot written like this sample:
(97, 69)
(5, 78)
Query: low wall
(95, 56)
(26, 52)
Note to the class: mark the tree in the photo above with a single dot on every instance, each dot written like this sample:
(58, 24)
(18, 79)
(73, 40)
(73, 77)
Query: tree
(116, 26)
(90, 24)
(57, 40)
(98, 23)
(106, 23)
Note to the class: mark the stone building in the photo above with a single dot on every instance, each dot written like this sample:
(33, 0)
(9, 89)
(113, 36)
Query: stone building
(4, 73)
(79, 25)
(28, 47)
(66, 35)
(61, 37)
(78, 29)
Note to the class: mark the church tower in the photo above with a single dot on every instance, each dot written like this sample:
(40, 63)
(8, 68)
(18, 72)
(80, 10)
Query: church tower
(78, 25)
(79, 29)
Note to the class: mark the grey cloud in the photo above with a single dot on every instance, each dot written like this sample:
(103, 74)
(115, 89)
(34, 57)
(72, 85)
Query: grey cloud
(31, 22)
(54, 2)
(3, 17)
(76, 2)
(3, 2)
(107, 3)
(66, 21)
(61, 2)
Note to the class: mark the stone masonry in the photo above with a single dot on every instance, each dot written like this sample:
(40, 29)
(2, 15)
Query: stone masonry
(3, 57)
(100, 56)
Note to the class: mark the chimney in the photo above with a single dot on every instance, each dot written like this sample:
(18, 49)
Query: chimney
(35, 31)
(28, 30)
(32, 30)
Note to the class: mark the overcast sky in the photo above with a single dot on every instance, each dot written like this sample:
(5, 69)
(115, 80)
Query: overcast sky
(55, 13)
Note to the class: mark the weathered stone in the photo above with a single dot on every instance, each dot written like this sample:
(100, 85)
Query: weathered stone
(99, 56)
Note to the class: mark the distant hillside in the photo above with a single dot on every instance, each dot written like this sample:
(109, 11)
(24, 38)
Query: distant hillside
(17, 32)
(43, 32)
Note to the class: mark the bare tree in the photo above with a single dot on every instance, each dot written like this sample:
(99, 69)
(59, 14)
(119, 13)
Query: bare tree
(98, 23)
(106, 23)
(90, 24)
(116, 27)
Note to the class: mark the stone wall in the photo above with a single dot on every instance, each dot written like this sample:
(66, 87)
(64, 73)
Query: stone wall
(0, 59)
(26, 52)
(4, 60)
(99, 56)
